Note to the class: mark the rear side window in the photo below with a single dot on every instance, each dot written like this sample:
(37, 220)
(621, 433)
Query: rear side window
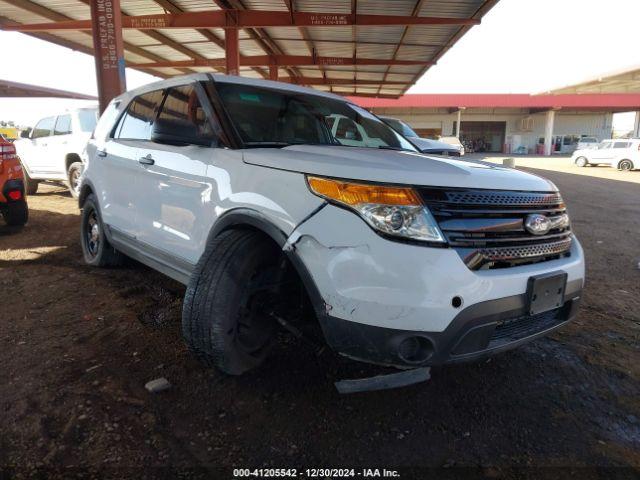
(137, 122)
(43, 128)
(621, 145)
(63, 125)
(183, 118)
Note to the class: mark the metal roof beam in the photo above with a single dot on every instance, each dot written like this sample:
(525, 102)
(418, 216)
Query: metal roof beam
(170, 7)
(257, 35)
(280, 60)
(57, 17)
(335, 81)
(234, 18)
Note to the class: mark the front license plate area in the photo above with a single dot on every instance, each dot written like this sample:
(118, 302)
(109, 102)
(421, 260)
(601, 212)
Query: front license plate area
(546, 292)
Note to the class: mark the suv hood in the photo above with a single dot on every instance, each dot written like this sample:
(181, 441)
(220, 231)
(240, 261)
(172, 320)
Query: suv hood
(388, 166)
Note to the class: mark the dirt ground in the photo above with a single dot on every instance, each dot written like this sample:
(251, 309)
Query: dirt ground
(77, 346)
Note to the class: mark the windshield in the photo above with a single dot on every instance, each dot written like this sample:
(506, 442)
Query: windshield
(265, 117)
(400, 127)
(88, 120)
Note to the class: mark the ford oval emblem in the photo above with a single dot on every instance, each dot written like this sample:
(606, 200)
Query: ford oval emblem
(537, 224)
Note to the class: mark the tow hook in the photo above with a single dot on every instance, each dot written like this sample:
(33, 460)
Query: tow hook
(384, 382)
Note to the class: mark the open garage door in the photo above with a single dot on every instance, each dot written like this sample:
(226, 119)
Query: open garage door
(483, 136)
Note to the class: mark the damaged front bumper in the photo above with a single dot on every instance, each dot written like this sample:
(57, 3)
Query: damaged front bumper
(390, 303)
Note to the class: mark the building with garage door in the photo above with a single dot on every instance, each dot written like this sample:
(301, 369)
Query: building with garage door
(509, 123)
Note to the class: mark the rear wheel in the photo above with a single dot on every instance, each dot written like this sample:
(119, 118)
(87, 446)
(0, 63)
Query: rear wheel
(582, 162)
(96, 249)
(625, 165)
(16, 214)
(73, 178)
(226, 318)
(30, 185)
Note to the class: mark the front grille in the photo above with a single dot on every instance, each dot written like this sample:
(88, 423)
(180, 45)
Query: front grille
(487, 227)
(525, 326)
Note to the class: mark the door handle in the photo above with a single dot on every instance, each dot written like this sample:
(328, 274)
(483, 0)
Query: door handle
(101, 153)
(146, 160)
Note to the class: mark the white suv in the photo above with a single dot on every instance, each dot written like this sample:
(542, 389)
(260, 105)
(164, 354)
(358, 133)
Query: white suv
(620, 153)
(238, 188)
(52, 149)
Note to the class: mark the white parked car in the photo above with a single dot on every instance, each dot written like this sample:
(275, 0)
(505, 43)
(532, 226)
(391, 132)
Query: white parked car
(425, 145)
(240, 189)
(52, 150)
(620, 153)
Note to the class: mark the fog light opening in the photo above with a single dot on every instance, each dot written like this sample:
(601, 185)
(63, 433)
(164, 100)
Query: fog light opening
(456, 302)
(415, 349)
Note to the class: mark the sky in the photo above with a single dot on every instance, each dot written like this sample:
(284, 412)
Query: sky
(522, 46)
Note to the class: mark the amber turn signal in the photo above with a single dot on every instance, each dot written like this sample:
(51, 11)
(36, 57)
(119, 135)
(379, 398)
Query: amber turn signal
(358, 193)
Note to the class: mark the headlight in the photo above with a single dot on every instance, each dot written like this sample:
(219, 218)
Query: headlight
(393, 211)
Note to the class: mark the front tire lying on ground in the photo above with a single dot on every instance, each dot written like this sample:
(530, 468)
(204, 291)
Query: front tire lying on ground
(16, 214)
(96, 249)
(225, 318)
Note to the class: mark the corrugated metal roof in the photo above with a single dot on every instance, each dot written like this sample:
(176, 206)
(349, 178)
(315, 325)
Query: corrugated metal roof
(422, 43)
(621, 81)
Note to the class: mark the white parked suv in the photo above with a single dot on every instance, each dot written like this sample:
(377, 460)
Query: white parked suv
(620, 153)
(239, 189)
(52, 149)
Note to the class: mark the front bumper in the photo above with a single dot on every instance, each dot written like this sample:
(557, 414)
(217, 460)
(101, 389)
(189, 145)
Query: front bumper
(478, 331)
(372, 294)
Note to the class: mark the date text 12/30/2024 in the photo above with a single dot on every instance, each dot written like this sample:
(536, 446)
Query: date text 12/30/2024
(315, 473)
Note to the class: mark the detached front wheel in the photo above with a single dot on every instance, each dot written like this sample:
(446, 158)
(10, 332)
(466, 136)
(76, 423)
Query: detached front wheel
(225, 318)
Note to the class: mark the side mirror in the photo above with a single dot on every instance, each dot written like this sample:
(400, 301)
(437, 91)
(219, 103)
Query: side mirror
(25, 133)
(175, 132)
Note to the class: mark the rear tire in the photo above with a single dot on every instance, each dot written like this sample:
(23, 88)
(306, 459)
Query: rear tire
(16, 214)
(582, 162)
(73, 178)
(30, 185)
(625, 165)
(225, 318)
(96, 249)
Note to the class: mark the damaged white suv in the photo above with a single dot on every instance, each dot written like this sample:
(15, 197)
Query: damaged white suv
(240, 189)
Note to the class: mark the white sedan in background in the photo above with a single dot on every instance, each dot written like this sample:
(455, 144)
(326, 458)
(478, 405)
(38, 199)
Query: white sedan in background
(621, 153)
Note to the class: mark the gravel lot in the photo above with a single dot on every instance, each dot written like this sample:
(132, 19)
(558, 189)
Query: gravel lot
(77, 346)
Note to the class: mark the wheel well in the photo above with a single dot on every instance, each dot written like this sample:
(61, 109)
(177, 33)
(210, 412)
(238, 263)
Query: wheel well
(71, 158)
(299, 288)
(626, 160)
